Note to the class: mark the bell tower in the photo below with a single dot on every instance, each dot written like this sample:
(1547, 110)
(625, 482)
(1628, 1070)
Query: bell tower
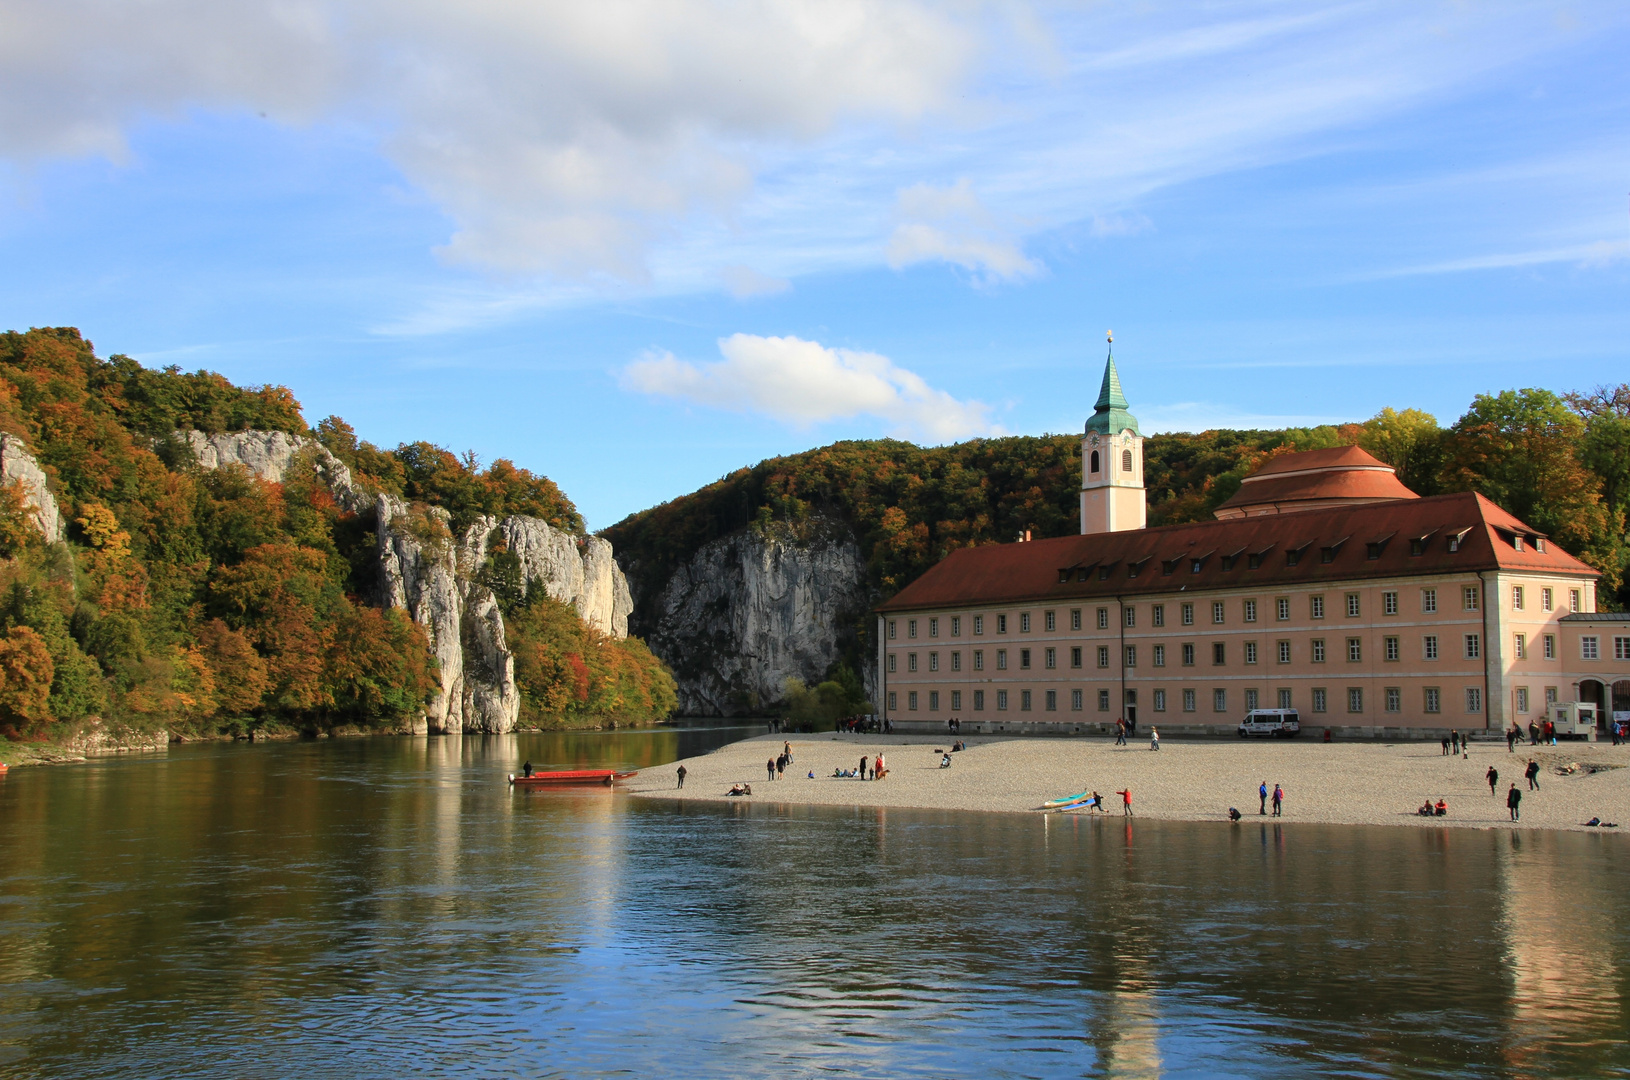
(1112, 497)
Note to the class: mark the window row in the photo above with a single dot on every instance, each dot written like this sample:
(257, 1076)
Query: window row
(1319, 699)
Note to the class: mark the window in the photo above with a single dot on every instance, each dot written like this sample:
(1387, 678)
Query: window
(1590, 648)
(979, 659)
(933, 628)
(911, 628)
(892, 658)
(1389, 603)
(1160, 614)
(1250, 611)
(1621, 648)
(1103, 656)
(1052, 659)
(978, 701)
(1188, 654)
(979, 624)
(1024, 622)
(1052, 701)
(1469, 597)
(1474, 646)
(911, 662)
(1395, 699)
(1160, 701)
(1429, 647)
(1550, 646)
(1217, 615)
(1075, 657)
(1429, 601)
(933, 661)
(1024, 701)
(1355, 650)
(1474, 699)
(1284, 697)
(1433, 702)
(1188, 701)
(1250, 652)
(1103, 618)
(1160, 656)
(1522, 699)
(1103, 701)
(1093, 466)
(1131, 616)
(1318, 650)
(1352, 605)
(1545, 600)
(956, 626)
(1516, 598)
(1219, 700)
(1317, 607)
(1519, 646)
(1284, 652)
(1188, 614)
(891, 628)
(1355, 699)
(1126, 461)
(1283, 604)
(1550, 695)
(1250, 699)
(911, 701)
(1219, 653)
(1001, 624)
(1024, 659)
(1051, 620)
(1573, 600)
(933, 701)
(1075, 618)
(894, 700)
(1391, 650)
(1001, 699)
(1131, 656)
(956, 661)
(956, 700)
(1001, 659)
(1075, 700)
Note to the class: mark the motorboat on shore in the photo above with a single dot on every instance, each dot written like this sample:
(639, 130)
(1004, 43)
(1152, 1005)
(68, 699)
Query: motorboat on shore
(570, 778)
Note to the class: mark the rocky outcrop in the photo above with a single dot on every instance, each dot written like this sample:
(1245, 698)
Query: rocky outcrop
(18, 466)
(589, 579)
(747, 612)
(418, 572)
(270, 454)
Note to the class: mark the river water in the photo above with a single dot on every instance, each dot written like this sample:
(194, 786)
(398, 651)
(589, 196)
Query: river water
(390, 908)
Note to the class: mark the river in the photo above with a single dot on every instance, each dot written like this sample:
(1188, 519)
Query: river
(390, 908)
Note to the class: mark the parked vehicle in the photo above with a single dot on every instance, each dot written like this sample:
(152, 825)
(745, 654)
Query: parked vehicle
(1280, 723)
(1573, 719)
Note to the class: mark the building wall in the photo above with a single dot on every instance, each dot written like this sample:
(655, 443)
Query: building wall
(1383, 655)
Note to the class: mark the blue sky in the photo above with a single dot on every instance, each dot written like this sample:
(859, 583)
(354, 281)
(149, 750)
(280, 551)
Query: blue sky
(637, 244)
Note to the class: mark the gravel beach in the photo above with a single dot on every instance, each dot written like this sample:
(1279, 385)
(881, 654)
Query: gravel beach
(1198, 780)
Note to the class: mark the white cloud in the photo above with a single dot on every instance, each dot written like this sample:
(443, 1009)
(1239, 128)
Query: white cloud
(804, 382)
(951, 225)
(744, 282)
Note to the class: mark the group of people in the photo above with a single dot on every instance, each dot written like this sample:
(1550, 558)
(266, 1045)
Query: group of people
(777, 765)
(1457, 745)
(1278, 799)
(1123, 728)
(857, 724)
(878, 770)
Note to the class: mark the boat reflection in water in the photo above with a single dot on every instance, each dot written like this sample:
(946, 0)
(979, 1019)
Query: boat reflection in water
(391, 907)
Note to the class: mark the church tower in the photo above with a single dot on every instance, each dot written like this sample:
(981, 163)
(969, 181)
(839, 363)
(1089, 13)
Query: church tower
(1112, 498)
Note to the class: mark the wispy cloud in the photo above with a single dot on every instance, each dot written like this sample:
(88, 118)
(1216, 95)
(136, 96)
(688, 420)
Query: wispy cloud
(805, 383)
(950, 224)
(1599, 254)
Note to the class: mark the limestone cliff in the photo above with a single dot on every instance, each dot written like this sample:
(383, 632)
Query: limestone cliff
(269, 455)
(18, 466)
(589, 579)
(748, 611)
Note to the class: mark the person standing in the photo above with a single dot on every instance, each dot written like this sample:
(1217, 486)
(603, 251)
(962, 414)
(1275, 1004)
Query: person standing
(1445, 748)
(879, 770)
(1494, 778)
(1154, 738)
(1126, 801)
(1512, 799)
(1454, 742)
(1533, 733)
(769, 767)
(1532, 773)
(681, 775)
(1278, 799)
(1262, 794)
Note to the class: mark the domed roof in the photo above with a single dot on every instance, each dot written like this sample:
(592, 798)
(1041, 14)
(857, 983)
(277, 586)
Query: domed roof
(1314, 480)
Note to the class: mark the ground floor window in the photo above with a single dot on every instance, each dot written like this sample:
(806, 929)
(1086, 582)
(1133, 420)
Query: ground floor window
(1250, 699)
(1320, 700)
(933, 701)
(1052, 701)
(1219, 700)
(1284, 697)
(911, 700)
(1355, 699)
(894, 699)
(1103, 701)
(978, 701)
(1001, 699)
(1474, 699)
(956, 700)
(1024, 700)
(1434, 700)
(1188, 701)
(1075, 700)
(1395, 699)
(1160, 701)
(1522, 699)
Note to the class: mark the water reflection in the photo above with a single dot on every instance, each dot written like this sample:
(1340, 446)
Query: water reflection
(391, 908)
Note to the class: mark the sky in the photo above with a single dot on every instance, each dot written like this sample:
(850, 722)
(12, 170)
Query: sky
(637, 244)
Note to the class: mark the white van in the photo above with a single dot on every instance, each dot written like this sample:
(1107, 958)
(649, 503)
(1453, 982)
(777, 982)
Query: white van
(1280, 723)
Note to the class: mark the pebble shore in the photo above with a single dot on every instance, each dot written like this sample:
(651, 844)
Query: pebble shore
(1185, 780)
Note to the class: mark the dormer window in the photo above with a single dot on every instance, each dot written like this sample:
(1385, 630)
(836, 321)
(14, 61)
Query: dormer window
(1103, 573)
(1516, 541)
(1374, 548)
(1063, 576)
(1133, 568)
(1294, 555)
(1328, 554)
(1417, 547)
(1456, 538)
(1539, 544)
(1084, 574)
(1169, 566)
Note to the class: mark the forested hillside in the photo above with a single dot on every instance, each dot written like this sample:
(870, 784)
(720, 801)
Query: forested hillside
(1560, 462)
(210, 601)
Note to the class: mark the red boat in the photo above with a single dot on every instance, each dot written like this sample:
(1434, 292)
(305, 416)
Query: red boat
(570, 777)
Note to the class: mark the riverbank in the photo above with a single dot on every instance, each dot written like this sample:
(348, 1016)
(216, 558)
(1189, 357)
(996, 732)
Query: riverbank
(1332, 783)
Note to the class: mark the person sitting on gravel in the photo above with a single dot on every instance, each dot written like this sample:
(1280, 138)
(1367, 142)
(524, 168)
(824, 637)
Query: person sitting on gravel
(945, 761)
(739, 789)
(1442, 809)
(1426, 808)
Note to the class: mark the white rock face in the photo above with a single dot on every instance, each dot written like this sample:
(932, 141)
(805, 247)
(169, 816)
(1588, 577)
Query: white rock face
(421, 577)
(18, 466)
(590, 579)
(268, 455)
(746, 613)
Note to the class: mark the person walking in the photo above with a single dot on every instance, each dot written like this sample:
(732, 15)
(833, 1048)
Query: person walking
(1512, 799)
(1494, 778)
(681, 775)
(1533, 733)
(1262, 793)
(1154, 738)
(1532, 773)
(1126, 801)
(1511, 738)
(1120, 732)
(1278, 799)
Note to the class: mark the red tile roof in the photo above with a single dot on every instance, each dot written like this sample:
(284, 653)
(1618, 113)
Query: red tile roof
(1008, 573)
(1342, 472)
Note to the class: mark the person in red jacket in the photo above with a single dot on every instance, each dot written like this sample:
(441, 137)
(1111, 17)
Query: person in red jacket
(1126, 801)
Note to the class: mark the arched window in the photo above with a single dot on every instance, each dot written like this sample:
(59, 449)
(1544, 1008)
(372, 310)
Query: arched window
(1126, 461)
(1094, 467)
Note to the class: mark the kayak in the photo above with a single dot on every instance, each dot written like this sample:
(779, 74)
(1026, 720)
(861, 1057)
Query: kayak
(1067, 800)
(569, 778)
